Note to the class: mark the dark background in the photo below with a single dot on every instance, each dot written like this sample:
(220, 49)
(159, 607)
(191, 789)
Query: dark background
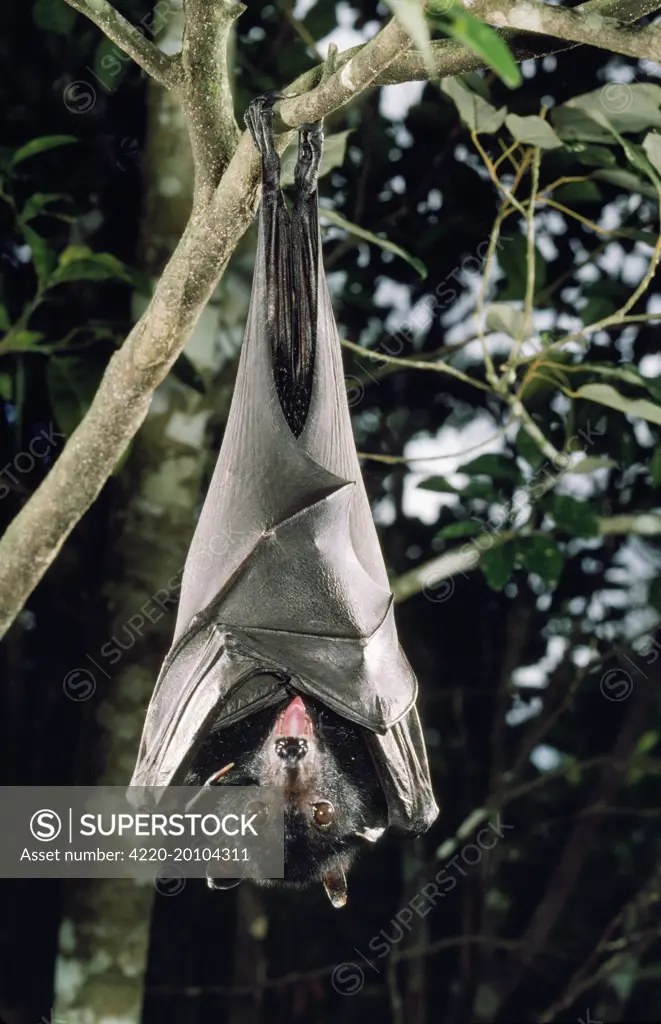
(583, 842)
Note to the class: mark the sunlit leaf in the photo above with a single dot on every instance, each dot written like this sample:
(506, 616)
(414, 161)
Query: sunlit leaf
(592, 463)
(478, 37)
(604, 394)
(534, 131)
(503, 316)
(652, 146)
(627, 181)
(474, 111)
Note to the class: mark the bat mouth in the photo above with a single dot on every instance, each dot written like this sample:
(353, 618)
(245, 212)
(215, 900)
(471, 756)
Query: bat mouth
(294, 723)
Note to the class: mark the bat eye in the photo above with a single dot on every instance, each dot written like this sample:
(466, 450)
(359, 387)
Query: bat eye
(323, 813)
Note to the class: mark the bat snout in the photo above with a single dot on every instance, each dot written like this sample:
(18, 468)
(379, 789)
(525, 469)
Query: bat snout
(291, 749)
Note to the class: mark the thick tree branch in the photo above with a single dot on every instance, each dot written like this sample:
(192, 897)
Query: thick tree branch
(452, 59)
(36, 535)
(582, 26)
(130, 39)
(205, 92)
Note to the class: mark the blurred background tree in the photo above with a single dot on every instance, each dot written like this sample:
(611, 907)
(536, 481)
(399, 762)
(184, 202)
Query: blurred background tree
(522, 538)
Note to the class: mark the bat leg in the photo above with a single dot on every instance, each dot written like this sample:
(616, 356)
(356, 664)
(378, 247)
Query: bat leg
(259, 121)
(310, 149)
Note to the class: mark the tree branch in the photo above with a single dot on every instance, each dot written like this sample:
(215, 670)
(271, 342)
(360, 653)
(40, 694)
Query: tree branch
(130, 39)
(584, 26)
(205, 93)
(34, 538)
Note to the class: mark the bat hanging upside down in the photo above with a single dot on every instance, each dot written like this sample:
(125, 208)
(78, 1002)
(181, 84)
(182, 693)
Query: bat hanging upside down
(285, 669)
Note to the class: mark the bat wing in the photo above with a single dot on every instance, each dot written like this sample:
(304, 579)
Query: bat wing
(285, 580)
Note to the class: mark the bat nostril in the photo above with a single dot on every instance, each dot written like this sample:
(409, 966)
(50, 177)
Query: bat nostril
(291, 748)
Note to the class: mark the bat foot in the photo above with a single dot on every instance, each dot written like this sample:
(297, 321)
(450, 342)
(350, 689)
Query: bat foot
(310, 149)
(259, 118)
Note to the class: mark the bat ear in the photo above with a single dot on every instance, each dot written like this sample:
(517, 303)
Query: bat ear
(372, 835)
(335, 884)
(222, 883)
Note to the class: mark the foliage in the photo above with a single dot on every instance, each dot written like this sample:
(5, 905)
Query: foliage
(534, 213)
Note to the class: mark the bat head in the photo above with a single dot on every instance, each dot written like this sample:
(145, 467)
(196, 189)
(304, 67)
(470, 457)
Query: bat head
(332, 798)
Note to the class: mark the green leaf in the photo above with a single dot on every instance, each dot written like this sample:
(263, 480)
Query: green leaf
(529, 449)
(72, 384)
(629, 374)
(475, 112)
(43, 257)
(6, 387)
(467, 528)
(534, 131)
(110, 64)
(655, 467)
(604, 394)
(498, 467)
(578, 192)
(411, 16)
(652, 146)
(654, 593)
(627, 181)
(575, 517)
(22, 341)
(592, 156)
(5, 322)
(592, 463)
(53, 17)
(40, 145)
(647, 742)
(335, 218)
(503, 316)
(482, 40)
(335, 147)
(626, 108)
(540, 555)
(497, 564)
(79, 263)
(635, 154)
(37, 205)
(512, 258)
(438, 484)
(482, 490)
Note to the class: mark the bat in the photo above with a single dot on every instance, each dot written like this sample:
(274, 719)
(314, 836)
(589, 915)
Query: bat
(285, 668)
